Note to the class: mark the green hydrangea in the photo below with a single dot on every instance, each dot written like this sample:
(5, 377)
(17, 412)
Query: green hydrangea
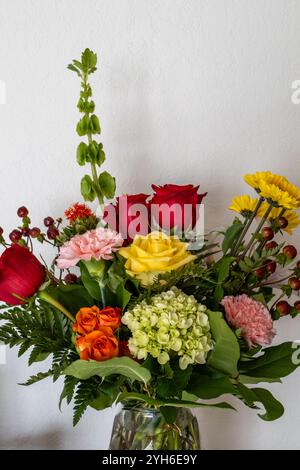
(170, 322)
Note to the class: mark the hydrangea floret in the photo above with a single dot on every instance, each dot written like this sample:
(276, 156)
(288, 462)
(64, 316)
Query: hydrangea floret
(170, 322)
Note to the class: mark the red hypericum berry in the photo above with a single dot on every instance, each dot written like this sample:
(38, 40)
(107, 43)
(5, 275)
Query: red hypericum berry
(283, 307)
(48, 221)
(71, 278)
(297, 305)
(298, 264)
(15, 235)
(1, 231)
(22, 211)
(52, 233)
(271, 267)
(290, 251)
(271, 245)
(283, 222)
(260, 272)
(25, 231)
(35, 232)
(267, 233)
(294, 283)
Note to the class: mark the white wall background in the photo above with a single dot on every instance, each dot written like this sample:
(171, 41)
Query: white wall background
(188, 91)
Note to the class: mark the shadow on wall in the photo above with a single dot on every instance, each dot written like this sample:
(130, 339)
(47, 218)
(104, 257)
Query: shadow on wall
(49, 440)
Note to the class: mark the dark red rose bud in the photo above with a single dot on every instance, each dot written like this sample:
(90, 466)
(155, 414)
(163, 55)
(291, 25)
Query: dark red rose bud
(271, 267)
(283, 222)
(22, 211)
(298, 264)
(15, 235)
(271, 245)
(267, 233)
(294, 283)
(283, 307)
(48, 221)
(35, 232)
(52, 233)
(1, 231)
(290, 251)
(25, 231)
(21, 273)
(71, 278)
(297, 305)
(260, 272)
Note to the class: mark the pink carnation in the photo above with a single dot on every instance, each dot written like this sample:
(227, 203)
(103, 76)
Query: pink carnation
(98, 244)
(252, 317)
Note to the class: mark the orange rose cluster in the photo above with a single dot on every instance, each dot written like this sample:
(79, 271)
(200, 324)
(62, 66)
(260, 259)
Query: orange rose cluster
(96, 332)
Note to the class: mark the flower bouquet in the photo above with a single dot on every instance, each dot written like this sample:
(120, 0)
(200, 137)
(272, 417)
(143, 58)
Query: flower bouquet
(139, 308)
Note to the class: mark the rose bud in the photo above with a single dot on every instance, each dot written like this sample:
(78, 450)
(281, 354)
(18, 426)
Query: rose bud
(1, 231)
(267, 233)
(283, 222)
(289, 251)
(22, 212)
(260, 272)
(283, 307)
(71, 278)
(271, 245)
(15, 235)
(297, 305)
(294, 283)
(25, 231)
(21, 274)
(271, 267)
(48, 221)
(298, 264)
(35, 232)
(52, 233)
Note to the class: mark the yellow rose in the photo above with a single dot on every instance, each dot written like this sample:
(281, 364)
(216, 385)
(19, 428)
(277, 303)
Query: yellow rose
(154, 254)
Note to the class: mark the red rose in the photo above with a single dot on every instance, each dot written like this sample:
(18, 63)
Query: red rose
(174, 205)
(129, 216)
(21, 273)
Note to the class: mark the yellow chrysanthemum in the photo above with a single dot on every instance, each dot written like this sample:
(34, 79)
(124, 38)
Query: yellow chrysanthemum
(244, 204)
(154, 254)
(275, 188)
(291, 216)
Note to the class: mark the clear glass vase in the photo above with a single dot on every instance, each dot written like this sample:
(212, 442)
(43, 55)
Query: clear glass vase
(147, 429)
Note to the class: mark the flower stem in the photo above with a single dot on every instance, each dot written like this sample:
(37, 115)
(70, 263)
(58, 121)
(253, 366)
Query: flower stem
(43, 295)
(260, 225)
(247, 226)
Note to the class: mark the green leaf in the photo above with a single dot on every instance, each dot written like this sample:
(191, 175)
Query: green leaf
(169, 413)
(91, 284)
(81, 154)
(37, 377)
(72, 296)
(245, 379)
(37, 355)
(87, 188)
(133, 396)
(223, 267)
(74, 69)
(206, 388)
(231, 235)
(275, 362)
(226, 352)
(119, 365)
(250, 396)
(218, 295)
(89, 61)
(107, 184)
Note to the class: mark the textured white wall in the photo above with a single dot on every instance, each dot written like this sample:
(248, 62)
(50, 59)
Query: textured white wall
(188, 91)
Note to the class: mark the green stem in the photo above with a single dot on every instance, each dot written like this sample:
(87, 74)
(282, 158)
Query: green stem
(43, 295)
(247, 226)
(260, 225)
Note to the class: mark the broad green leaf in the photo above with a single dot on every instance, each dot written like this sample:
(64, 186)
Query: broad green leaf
(245, 379)
(218, 295)
(223, 268)
(91, 284)
(273, 408)
(125, 366)
(226, 351)
(133, 396)
(231, 235)
(107, 184)
(72, 296)
(206, 388)
(275, 362)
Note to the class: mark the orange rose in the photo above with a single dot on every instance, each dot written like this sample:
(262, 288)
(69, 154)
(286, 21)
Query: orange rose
(86, 320)
(111, 317)
(99, 345)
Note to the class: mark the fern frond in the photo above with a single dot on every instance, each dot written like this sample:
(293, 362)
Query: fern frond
(37, 377)
(85, 393)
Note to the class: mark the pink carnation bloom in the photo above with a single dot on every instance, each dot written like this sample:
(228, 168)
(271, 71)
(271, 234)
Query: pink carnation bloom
(100, 243)
(251, 317)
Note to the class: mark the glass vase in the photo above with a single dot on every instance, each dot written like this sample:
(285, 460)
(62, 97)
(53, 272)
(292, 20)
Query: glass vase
(147, 429)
